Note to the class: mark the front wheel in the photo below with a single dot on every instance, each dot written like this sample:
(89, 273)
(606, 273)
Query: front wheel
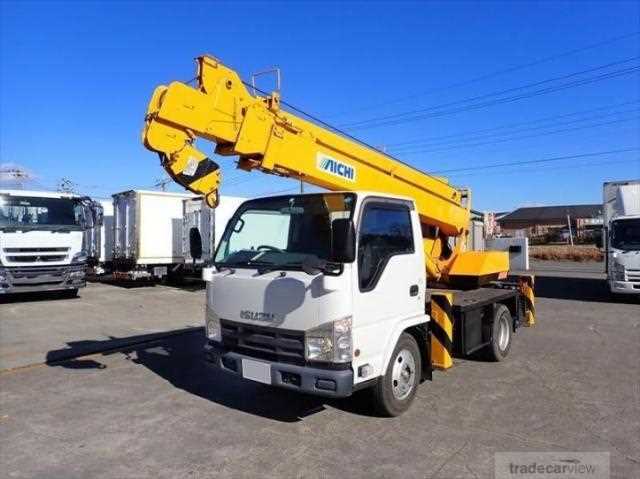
(396, 390)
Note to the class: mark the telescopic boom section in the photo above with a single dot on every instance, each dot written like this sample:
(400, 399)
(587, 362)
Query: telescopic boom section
(272, 140)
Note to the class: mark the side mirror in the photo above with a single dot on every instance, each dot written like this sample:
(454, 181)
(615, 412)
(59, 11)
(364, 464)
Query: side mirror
(343, 241)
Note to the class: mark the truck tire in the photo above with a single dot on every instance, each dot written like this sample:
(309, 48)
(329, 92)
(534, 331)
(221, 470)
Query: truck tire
(501, 334)
(396, 390)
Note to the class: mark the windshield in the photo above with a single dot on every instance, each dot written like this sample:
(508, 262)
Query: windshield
(32, 212)
(625, 234)
(282, 232)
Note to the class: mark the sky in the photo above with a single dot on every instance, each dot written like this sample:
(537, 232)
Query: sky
(526, 103)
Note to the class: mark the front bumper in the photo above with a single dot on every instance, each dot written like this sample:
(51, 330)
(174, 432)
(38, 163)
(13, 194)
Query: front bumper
(317, 381)
(28, 279)
(624, 287)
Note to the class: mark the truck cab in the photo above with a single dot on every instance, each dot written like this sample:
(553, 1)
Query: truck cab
(623, 255)
(324, 294)
(42, 241)
(621, 235)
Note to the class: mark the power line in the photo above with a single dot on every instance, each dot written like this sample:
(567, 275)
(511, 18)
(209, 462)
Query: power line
(493, 74)
(500, 101)
(544, 160)
(522, 137)
(428, 140)
(545, 168)
(400, 117)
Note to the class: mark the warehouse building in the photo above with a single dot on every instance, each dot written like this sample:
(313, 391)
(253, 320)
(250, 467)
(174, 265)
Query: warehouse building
(551, 223)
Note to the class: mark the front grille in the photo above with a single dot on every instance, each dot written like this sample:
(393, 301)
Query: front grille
(273, 344)
(37, 250)
(36, 259)
(633, 274)
(33, 271)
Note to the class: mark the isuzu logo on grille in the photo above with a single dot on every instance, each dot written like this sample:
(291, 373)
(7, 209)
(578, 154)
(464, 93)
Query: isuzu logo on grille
(336, 168)
(257, 315)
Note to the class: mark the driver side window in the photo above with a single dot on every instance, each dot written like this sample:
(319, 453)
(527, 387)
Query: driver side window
(385, 231)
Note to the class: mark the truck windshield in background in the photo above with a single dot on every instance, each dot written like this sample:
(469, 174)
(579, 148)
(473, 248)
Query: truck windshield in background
(282, 231)
(625, 234)
(35, 212)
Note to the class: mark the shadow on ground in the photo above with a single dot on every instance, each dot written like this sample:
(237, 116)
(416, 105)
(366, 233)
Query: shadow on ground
(122, 283)
(39, 296)
(186, 284)
(179, 360)
(76, 349)
(580, 289)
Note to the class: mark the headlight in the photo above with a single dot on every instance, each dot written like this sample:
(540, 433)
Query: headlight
(77, 274)
(618, 271)
(330, 342)
(80, 257)
(214, 331)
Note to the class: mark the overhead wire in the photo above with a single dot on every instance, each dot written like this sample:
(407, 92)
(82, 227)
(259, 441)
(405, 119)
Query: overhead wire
(494, 141)
(427, 140)
(529, 170)
(422, 114)
(537, 161)
(493, 74)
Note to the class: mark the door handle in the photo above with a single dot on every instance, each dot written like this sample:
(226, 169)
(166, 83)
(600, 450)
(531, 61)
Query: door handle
(414, 290)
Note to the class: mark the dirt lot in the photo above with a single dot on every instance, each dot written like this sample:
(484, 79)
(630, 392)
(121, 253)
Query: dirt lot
(154, 410)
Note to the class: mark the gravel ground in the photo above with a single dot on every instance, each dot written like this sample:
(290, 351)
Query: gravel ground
(155, 410)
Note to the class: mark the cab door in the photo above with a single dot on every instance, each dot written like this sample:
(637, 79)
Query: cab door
(389, 283)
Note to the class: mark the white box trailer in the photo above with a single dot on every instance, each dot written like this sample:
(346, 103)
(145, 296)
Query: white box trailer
(207, 224)
(197, 224)
(98, 238)
(147, 233)
(106, 233)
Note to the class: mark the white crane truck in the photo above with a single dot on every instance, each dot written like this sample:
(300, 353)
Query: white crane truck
(368, 285)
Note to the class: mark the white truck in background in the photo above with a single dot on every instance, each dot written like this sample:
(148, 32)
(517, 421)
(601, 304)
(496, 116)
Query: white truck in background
(107, 235)
(100, 238)
(203, 226)
(158, 234)
(147, 234)
(43, 240)
(621, 235)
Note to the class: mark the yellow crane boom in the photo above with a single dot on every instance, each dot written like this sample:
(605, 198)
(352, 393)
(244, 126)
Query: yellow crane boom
(268, 138)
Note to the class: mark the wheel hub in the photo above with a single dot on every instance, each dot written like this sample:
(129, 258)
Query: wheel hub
(503, 333)
(403, 375)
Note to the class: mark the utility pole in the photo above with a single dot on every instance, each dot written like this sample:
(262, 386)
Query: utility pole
(570, 232)
(18, 176)
(162, 184)
(65, 185)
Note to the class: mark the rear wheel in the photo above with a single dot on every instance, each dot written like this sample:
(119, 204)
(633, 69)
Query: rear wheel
(501, 334)
(396, 390)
